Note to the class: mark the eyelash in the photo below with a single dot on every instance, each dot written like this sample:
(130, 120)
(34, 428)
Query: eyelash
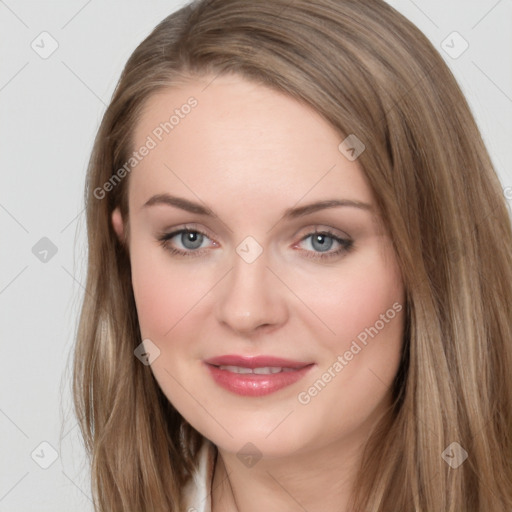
(345, 244)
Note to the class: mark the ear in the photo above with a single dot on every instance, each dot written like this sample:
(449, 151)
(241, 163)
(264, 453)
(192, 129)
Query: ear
(118, 224)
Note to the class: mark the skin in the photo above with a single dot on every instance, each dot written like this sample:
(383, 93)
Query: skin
(249, 153)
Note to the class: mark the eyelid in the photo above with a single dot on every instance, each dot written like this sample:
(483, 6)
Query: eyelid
(187, 226)
(192, 226)
(322, 228)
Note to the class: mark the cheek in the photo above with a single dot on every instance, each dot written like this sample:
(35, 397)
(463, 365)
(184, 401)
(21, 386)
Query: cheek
(356, 298)
(165, 293)
(364, 306)
(161, 293)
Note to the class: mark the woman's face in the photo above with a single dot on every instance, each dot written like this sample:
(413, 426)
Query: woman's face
(252, 175)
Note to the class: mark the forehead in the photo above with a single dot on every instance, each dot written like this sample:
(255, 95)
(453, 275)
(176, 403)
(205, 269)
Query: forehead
(230, 138)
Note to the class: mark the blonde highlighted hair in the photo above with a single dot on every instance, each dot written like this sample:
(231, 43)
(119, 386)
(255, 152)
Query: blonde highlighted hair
(370, 72)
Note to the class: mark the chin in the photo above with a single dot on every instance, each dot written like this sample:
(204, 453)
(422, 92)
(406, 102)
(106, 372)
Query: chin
(255, 440)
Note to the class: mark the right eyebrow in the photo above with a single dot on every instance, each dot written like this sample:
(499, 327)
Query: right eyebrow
(179, 202)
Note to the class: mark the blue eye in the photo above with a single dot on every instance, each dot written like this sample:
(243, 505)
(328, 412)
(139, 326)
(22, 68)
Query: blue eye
(323, 241)
(191, 239)
(189, 242)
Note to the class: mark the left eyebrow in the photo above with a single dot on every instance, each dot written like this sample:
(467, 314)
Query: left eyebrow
(293, 213)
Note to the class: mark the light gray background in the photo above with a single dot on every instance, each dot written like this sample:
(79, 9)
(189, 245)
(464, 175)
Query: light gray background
(50, 111)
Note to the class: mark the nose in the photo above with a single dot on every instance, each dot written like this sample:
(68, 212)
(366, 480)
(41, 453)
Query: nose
(251, 299)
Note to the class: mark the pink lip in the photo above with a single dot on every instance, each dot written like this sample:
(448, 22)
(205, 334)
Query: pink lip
(254, 384)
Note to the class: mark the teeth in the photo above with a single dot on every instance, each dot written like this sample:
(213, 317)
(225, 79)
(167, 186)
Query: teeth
(266, 370)
(235, 369)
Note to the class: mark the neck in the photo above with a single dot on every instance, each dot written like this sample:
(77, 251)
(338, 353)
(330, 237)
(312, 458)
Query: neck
(314, 480)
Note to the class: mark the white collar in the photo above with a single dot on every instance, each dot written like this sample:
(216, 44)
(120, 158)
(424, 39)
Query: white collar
(197, 491)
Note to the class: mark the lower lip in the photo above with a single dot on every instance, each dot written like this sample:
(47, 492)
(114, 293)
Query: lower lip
(251, 384)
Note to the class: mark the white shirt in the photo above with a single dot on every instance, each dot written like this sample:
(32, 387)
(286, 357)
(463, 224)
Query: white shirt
(197, 491)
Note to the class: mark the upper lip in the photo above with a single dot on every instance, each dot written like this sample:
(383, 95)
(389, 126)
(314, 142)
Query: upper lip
(255, 362)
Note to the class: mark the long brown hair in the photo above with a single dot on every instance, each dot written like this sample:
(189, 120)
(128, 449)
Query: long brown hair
(369, 72)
